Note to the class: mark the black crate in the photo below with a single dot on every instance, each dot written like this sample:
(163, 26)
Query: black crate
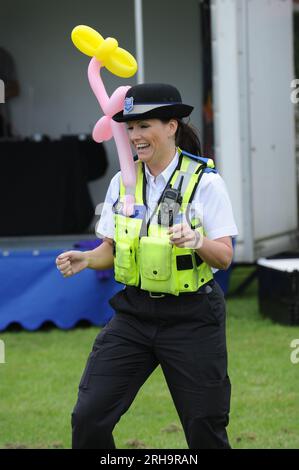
(278, 292)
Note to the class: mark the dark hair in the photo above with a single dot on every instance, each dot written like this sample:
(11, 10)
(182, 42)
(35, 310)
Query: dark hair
(186, 137)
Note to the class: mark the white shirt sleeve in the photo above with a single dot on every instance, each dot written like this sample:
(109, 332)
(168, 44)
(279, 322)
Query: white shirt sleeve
(217, 214)
(105, 226)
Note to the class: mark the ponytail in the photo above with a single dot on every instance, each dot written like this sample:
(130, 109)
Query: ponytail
(187, 139)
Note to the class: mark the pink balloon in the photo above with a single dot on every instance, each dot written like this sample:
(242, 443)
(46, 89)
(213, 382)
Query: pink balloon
(127, 166)
(116, 101)
(105, 128)
(96, 83)
(102, 131)
(128, 207)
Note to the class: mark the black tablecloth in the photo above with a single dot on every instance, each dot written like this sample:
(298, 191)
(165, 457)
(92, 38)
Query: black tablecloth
(44, 185)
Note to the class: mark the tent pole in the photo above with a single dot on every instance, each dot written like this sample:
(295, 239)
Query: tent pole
(139, 40)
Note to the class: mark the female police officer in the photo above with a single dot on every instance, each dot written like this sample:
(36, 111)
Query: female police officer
(171, 312)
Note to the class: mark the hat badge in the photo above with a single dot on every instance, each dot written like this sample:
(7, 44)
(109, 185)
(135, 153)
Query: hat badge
(129, 104)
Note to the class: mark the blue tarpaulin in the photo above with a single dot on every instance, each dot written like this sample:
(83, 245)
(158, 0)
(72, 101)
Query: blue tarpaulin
(32, 291)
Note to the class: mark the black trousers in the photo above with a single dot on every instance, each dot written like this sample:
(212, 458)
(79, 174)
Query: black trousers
(186, 336)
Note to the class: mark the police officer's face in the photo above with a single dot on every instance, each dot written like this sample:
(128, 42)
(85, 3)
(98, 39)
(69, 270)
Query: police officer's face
(153, 139)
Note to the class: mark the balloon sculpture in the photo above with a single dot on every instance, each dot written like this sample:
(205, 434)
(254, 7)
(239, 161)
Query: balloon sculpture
(106, 53)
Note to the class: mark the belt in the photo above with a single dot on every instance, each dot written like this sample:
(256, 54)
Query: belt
(205, 289)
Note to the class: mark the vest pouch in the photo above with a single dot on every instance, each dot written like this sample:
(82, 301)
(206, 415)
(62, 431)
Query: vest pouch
(156, 265)
(125, 266)
(186, 271)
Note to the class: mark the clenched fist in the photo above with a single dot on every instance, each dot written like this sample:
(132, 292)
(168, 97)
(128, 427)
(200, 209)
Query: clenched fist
(71, 262)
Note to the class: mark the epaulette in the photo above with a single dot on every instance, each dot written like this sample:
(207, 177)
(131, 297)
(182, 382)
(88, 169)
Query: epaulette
(210, 166)
(210, 170)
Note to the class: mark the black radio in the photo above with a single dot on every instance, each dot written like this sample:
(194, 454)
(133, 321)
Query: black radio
(170, 205)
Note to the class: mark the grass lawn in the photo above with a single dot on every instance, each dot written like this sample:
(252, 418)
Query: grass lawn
(38, 386)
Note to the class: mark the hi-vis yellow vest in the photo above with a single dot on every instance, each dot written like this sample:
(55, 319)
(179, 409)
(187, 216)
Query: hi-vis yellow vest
(144, 256)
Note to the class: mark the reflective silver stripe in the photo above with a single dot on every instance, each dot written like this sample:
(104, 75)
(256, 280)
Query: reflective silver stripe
(187, 176)
(144, 108)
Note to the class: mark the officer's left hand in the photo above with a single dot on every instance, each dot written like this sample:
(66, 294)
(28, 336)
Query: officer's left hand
(183, 236)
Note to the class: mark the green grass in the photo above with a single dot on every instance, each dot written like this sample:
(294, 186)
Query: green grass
(38, 386)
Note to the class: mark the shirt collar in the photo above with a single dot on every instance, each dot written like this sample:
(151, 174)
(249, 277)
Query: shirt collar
(166, 173)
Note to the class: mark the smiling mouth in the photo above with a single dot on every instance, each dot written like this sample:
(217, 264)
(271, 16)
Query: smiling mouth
(142, 146)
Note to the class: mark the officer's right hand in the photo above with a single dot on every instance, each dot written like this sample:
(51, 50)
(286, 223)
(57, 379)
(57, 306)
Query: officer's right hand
(71, 262)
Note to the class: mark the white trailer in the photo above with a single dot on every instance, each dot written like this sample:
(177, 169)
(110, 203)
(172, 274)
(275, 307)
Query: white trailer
(252, 49)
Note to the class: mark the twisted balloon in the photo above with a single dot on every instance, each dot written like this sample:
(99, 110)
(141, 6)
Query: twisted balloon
(105, 52)
(117, 60)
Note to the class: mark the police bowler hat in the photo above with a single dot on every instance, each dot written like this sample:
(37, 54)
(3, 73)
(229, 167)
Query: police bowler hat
(152, 101)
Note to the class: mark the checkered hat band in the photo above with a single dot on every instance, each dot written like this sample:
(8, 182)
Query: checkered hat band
(144, 108)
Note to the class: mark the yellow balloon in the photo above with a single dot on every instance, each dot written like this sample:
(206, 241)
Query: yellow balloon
(117, 60)
(86, 39)
(105, 49)
(122, 63)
